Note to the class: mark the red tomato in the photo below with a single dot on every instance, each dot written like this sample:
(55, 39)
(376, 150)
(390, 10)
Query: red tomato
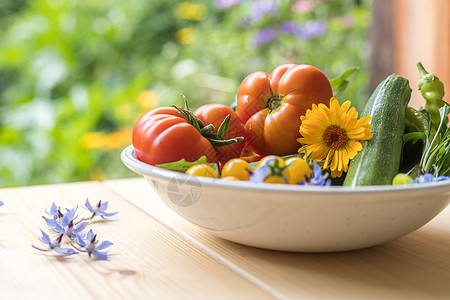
(214, 114)
(163, 135)
(271, 106)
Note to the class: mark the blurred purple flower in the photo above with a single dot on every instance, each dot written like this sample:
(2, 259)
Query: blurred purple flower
(312, 29)
(264, 36)
(224, 4)
(290, 27)
(261, 8)
(308, 30)
(1, 203)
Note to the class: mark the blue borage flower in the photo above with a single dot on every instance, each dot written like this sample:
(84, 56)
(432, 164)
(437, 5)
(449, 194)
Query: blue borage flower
(1, 203)
(422, 178)
(99, 209)
(66, 226)
(54, 245)
(317, 179)
(267, 170)
(92, 246)
(55, 211)
(260, 173)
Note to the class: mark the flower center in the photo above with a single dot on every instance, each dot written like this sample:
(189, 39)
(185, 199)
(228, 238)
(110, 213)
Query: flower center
(335, 137)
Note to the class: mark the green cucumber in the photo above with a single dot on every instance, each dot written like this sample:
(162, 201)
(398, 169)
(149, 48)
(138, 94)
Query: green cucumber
(379, 160)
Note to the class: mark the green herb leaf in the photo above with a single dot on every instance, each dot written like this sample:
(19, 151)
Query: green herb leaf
(223, 128)
(338, 92)
(435, 160)
(414, 137)
(182, 165)
(342, 79)
(220, 143)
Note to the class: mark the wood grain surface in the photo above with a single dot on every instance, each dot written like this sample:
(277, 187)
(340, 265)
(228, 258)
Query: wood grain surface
(416, 266)
(147, 261)
(158, 255)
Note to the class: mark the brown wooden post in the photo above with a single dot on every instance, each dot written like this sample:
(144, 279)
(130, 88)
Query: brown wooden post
(382, 56)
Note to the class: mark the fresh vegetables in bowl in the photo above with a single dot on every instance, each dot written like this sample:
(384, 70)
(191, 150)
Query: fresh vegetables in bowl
(288, 127)
(294, 169)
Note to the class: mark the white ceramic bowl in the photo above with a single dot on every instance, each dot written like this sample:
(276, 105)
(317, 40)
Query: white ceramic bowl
(296, 218)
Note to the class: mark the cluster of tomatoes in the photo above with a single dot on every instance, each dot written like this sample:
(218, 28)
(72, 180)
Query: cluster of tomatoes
(270, 169)
(266, 122)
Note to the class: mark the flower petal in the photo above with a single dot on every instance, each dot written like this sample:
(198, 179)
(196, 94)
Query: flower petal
(110, 214)
(100, 255)
(51, 223)
(103, 245)
(67, 251)
(104, 206)
(89, 235)
(80, 227)
(88, 205)
(53, 209)
(45, 238)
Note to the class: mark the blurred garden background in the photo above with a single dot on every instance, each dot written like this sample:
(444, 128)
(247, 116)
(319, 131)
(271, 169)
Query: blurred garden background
(75, 75)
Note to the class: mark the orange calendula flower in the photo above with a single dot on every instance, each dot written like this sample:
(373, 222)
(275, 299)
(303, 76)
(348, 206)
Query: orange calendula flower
(333, 134)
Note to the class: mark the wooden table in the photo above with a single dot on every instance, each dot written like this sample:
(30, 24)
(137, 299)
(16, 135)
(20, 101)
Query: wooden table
(158, 255)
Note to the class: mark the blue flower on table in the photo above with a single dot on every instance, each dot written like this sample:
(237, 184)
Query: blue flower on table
(1, 203)
(93, 247)
(66, 226)
(55, 212)
(54, 245)
(99, 209)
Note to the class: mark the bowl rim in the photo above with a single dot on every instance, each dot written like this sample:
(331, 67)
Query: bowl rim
(129, 159)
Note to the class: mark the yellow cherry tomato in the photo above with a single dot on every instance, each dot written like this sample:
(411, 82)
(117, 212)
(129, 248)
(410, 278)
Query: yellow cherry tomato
(275, 179)
(298, 168)
(202, 170)
(277, 171)
(266, 159)
(238, 168)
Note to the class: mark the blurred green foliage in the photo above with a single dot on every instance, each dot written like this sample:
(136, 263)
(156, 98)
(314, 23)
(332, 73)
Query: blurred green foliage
(76, 75)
